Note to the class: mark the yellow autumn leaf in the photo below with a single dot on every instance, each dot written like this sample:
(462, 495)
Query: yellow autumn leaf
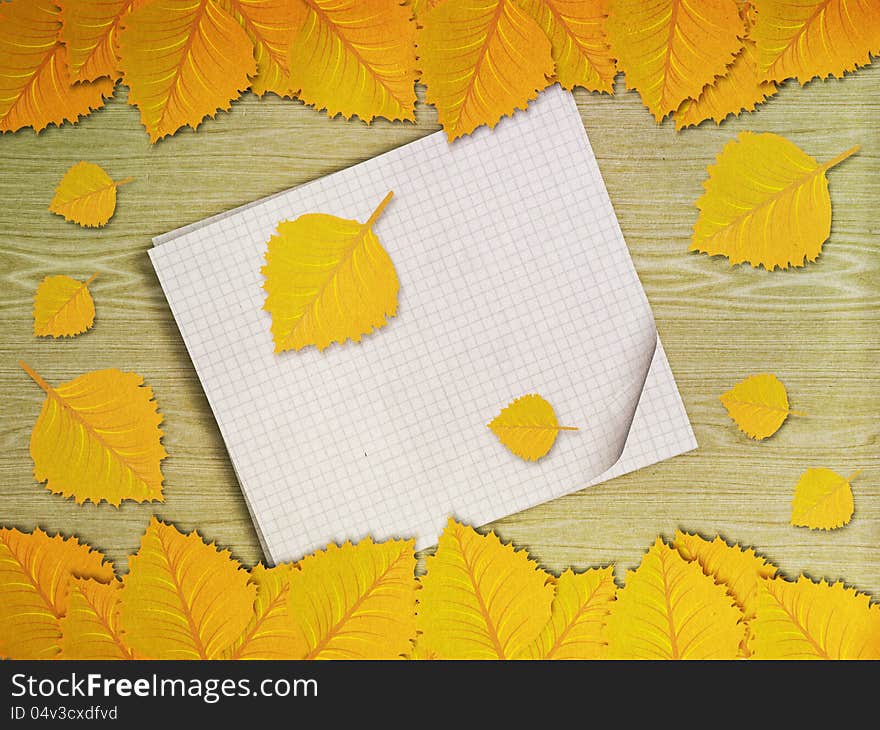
(481, 60)
(809, 38)
(91, 630)
(823, 500)
(807, 620)
(207, 61)
(766, 202)
(36, 89)
(183, 598)
(63, 307)
(578, 614)
(98, 438)
(356, 58)
(669, 609)
(86, 195)
(34, 573)
(480, 599)
(271, 633)
(356, 601)
(328, 280)
(528, 427)
(758, 405)
(671, 49)
(579, 43)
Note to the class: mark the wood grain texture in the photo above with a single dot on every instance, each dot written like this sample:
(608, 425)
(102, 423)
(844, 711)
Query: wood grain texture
(816, 328)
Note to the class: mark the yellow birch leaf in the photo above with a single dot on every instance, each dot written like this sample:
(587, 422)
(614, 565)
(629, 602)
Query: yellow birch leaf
(183, 598)
(89, 30)
(270, 633)
(807, 620)
(823, 500)
(90, 630)
(671, 49)
(98, 437)
(481, 60)
(578, 614)
(758, 405)
(35, 85)
(356, 601)
(207, 61)
(63, 307)
(669, 609)
(86, 195)
(480, 599)
(356, 58)
(810, 38)
(34, 573)
(528, 427)
(579, 44)
(328, 280)
(766, 202)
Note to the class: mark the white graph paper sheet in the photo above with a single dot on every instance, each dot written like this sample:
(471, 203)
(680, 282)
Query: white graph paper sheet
(515, 279)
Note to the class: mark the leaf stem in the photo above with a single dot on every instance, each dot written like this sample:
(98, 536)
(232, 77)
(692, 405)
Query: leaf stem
(567, 428)
(852, 477)
(124, 182)
(841, 157)
(36, 378)
(797, 413)
(376, 213)
(91, 278)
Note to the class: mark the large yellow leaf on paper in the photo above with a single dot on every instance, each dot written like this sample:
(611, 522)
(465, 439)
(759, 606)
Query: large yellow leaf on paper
(34, 573)
(528, 427)
(670, 49)
(578, 614)
(579, 43)
(807, 620)
(669, 609)
(63, 307)
(809, 38)
(481, 60)
(89, 30)
(823, 500)
(35, 86)
(328, 280)
(183, 598)
(766, 203)
(271, 632)
(91, 630)
(356, 57)
(207, 61)
(98, 438)
(356, 601)
(758, 405)
(481, 599)
(86, 195)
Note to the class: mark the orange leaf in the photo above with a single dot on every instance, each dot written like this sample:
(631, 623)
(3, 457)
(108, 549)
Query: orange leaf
(90, 630)
(35, 84)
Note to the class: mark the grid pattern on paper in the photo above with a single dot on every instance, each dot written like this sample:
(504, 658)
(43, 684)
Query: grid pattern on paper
(514, 279)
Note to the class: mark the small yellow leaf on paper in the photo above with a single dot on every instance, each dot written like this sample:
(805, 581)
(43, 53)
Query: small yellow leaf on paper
(528, 427)
(356, 58)
(63, 307)
(86, 195)
(183, 598)
(811, 38)
(356, 601)
(670, 49)
(328, 280)
(35, 85)
(807, 620)
(271, 633)
(481, 60)
(669, 609)
(766, 202)
(98, 438)
(758, 405)
(579, 44)
(578, 614)
(207, 61)
(91, 630)
(823, 500)
(481, 599)
(34, 573)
